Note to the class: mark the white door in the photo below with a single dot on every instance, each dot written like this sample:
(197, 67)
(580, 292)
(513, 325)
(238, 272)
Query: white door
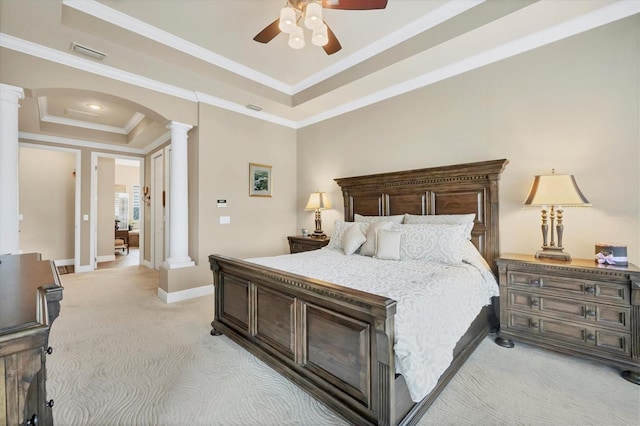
(158, 209)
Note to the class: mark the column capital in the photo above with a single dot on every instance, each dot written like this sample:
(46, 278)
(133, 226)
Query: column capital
(176, 125)
(11, 93)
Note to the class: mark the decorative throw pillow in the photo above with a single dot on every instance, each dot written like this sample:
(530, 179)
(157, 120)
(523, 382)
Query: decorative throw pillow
(339, 228)
(369, 246)
(446, 219)
(388, 244)
(352, 239)
(433, 242)
(372, 219)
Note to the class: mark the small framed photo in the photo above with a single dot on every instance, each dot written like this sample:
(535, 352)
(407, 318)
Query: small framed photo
(260, 184)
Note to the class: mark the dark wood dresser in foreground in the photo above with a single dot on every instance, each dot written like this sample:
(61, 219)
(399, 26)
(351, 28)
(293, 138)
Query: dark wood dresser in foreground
(298, 243)
(30, 294)
(578, 307)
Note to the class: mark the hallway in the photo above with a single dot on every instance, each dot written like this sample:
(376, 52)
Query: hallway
(123, 259)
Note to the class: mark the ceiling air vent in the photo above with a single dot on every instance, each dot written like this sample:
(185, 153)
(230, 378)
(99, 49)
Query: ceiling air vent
(87, 51)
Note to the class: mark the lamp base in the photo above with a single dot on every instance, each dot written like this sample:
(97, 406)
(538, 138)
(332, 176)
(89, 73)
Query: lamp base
(318, 234)
(556, 253)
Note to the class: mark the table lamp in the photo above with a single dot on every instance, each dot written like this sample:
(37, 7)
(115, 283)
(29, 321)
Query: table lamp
(318, 201)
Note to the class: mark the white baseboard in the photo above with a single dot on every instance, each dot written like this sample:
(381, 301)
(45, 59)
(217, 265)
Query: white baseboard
(178, 296)
(107, 258)
(64, 262)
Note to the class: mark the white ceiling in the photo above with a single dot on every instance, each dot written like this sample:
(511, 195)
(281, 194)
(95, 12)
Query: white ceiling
(203, 50)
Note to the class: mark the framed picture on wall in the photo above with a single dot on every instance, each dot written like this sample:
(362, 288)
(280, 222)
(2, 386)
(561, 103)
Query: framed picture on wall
(260, 184)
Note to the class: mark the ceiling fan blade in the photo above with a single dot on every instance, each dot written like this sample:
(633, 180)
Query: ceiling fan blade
(354, 4)
(333, 45)
(269, 33)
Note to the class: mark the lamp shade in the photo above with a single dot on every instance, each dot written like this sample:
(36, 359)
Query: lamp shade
(313, 16)
(318, 200)
(320, 36)
(556, 190)
(296, 38)
(287, 20)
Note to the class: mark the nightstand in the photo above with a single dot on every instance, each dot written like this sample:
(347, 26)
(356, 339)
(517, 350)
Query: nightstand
(299, 243)
(577, 307)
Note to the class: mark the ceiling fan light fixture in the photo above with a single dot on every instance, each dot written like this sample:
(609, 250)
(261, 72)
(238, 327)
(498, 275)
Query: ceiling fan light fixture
(296, 38)
(313, 16)
(287, 22)
(320, 36)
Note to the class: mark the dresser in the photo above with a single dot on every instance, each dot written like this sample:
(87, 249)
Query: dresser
(579, 308)
(30, 294)
(298, 243)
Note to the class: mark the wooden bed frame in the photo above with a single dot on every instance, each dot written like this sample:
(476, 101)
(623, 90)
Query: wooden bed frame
(336, 342)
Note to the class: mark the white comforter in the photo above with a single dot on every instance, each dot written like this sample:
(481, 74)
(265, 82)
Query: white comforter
(436, 302)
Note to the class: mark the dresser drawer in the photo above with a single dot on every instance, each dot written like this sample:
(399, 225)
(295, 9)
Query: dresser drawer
(588, 337)
(596, 290)
(297, 248)
(610, 316)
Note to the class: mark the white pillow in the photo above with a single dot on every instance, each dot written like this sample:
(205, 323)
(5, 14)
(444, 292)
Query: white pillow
(352, 239)
(433, 242)
(371, 219)
(339, 228)
(388, 244)
(447, 219)
(369, 246)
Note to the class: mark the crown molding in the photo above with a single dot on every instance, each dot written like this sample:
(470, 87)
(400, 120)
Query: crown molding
(78, 142)
(430, 20)
(23, 46)
(129, 23)
(605, 15)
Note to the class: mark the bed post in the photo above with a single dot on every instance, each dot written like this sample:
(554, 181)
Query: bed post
(384, 373)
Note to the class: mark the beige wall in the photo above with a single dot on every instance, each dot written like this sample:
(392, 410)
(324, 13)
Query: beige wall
(226, 143)
(47, 203)
(572, 106)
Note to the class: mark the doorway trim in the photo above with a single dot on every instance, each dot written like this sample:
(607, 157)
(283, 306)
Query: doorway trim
(93, 219)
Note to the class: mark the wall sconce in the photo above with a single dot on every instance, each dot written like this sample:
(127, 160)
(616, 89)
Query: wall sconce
(146, 197)
(554, 191)
(318, 201)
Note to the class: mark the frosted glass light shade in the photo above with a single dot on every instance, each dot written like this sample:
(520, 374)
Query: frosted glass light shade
(313, 16)
(320, 36)
(296, 38)
(287, 20)
(556, 190)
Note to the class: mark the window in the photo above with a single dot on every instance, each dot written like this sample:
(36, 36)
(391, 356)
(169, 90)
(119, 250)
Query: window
(136, 202)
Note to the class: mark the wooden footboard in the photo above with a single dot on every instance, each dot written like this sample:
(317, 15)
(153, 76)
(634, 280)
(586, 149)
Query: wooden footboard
(334, 342)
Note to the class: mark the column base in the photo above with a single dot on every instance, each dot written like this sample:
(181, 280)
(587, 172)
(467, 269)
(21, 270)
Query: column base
(174, 263)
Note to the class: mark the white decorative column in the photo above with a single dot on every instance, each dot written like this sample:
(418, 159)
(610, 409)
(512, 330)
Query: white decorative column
(178, 199)
(9, 157)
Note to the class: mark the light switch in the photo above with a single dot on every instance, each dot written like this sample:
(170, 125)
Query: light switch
(225, 220)
(85, 217)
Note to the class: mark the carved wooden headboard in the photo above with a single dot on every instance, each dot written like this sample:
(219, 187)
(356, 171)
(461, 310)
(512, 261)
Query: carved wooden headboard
(455, 189)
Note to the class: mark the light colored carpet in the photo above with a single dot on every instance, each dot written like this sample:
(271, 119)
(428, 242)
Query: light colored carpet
(122, 356)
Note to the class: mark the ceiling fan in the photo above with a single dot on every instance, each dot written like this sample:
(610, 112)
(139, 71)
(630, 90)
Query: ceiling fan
(310, 12)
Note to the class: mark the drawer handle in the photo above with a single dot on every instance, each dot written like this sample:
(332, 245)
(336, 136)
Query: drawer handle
(591, 337)
(34, 420)
(591, 290)
(591, 313)
(535, 283)
(49, 350)
(50, 403)
(535, 303)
